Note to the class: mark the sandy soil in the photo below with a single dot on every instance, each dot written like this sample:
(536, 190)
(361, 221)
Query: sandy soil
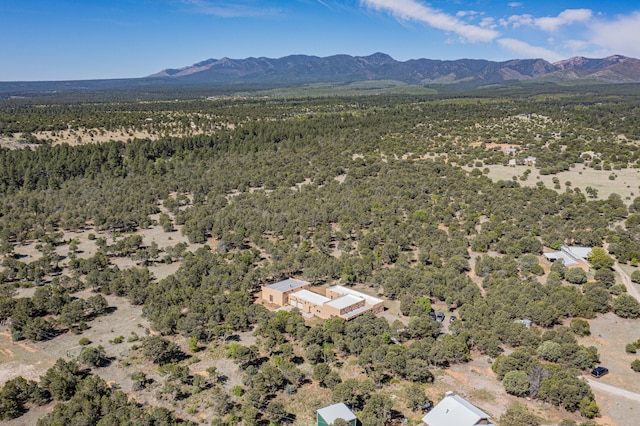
(33, 359)
(610, 334)
(476, 382)
(626, 184)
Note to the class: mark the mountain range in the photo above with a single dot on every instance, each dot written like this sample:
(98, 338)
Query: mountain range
(232, 75)
(302, 69)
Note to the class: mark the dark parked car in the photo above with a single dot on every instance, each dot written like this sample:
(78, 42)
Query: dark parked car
(599, 371)
(452, 318)
(440, 317)
(427, 406)
(432, 314)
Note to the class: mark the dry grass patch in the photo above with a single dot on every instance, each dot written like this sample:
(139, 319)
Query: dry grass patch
(626, 183)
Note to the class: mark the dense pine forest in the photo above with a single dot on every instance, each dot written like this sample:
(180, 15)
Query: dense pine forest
(389, 194)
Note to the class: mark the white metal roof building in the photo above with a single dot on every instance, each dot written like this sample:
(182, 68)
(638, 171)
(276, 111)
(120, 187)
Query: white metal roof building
(454, 410)
(328, 415)
(571, 256)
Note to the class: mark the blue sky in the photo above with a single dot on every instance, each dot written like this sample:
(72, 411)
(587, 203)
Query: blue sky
(90, 39)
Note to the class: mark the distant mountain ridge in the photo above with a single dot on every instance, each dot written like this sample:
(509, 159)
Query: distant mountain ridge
(297, 69)
(228, 76)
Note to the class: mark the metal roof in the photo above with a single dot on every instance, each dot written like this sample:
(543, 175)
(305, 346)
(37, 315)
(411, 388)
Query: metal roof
(331, 413)
(455, 410)
(570, 255)
(286, 285)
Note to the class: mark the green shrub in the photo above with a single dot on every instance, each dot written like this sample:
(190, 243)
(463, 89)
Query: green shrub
(580, 327)
(117, 340)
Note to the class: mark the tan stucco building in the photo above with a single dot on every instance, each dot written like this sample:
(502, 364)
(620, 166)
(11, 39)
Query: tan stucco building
(278, 293)
(339, 301)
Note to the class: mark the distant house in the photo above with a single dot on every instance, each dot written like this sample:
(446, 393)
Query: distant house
(525, 322)
(328, 415)
(530, 161)
(510, 151)
(454, 410)
(279, 292)
(572, 257)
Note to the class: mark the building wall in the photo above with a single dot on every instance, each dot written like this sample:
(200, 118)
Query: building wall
(581, 264)
(376, 309)
(280, 298)
(323, 422)
(329, 311)
(305, 305)
(332, 294)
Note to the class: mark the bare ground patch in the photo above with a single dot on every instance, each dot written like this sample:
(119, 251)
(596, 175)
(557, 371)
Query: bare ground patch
(610, 334)
(626, 184)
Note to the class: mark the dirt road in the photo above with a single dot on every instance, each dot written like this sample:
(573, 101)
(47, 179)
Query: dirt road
(596, 384)
(631, 288)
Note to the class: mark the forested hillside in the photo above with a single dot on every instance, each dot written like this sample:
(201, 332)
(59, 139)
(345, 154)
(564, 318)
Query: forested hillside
(389, 194)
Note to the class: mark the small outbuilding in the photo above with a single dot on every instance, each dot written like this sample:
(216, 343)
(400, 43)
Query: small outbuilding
(328, 415)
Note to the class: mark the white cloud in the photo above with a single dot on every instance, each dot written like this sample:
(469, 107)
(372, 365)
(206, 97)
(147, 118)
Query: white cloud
(488, 23)
(412, 10)
(619, 36)
(229, 9)
(549, 23)
(517, 21)
(463, 13)
(525, 50)
(569, 16)
(514, 4)
(576, 45)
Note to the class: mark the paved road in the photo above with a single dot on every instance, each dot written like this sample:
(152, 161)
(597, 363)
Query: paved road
(631, 288)
(597, 384)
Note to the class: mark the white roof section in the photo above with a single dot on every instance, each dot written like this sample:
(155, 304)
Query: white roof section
(331, 413)
(286, 285)
(369, 300)
(311, 297)
(344, 301)
(581, 252)
(455, 410)
(570, 255)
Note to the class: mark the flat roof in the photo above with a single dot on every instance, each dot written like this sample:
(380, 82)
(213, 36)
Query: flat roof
(370, 300)
(344, 301)
(333, 412)
(288, 284)
(310, 296)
